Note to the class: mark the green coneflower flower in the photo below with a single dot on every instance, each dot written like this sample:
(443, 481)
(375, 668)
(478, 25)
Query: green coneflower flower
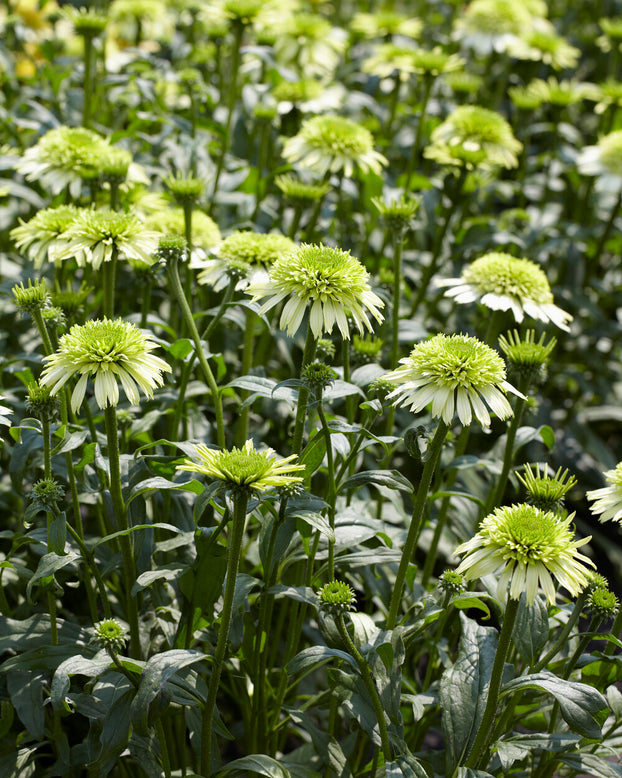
(546, 491)
(87, 22)
(612, 29)
(40, 403)
(561, 93)
(298, 91)
(46, 495)
(603, 160)
(527, 355)
(308, 42)
(463, 82)
(333, 144)
(602, 604)
(525, 98)
(457, 374)
(366, 350)
(242, 11)
(108, 351)
(42, 236)
(109, 634)
(532, 546)
(503, 282)
(476, 136)
(60, 158)
(244, 468)
(492, 25)
(70, 301)
(541, 43)
(95, 235)
(336, 598)
(398, 214)
(31, 298)
(257, 251)
(300, 191)
(325, 349)
(451, 582)
(317, 375)
(435, 62)
(608, 500)
(170, 222)
(332, 282)
(605, 94)
(389, 59)
(186, 189)
(383, 23)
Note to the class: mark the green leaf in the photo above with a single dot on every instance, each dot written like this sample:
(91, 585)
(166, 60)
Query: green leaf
(511, 749)
(75, 665)
(392, 479)
(405, 766)
(180, 348)
(591, 764)
(531, 629)
(167, 572)
(156, 525)
(526, 435)
(313, 453)
(318, 522)
(34, 632)
(70, 442)
(25, 689)
(156, 673)
(316, 655)
(326, 747)
(256, 763)
(464, 689)
(57, 533)
(157, 483)
(583, 707)
(48, 565)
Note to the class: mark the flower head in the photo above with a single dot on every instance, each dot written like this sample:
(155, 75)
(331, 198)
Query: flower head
(608, 500)
(457, 374)
(109, 351)
(309, 42)
(335, 144)
(318, 376)
(42, 236)
(94, 236)
(46, 494)
(451, 582)
(541, 43)
(171, 222)
(31, 298)
(383, 23)
(87, 22)
(463, 82)
(332, 282)
(474, 136)
(300, 191)
(561, 93)
(254, 251)
(185, 189)
(40, 403)
(336, 598)
(602, 603)
(532, 546)
(546, 490)
(109, 634)
(493, 25)
(244, 468)
(527, 355)
(501, 282)
(398, 214)
(604, 160)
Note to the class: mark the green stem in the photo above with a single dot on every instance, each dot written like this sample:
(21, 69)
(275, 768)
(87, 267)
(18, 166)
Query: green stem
(428, 567)
(414, 155)
(129, 568)
(332, 492)
(480, 744)
(110, 273)
(233, 90)
(43, 332)
(47, 474)
(178, 292)
(88, 80)
(415, 523)
(369, 685)
(303, 393)
(594, 261)
(508, 455)
(240, 502)
(161, 735)
(564, 634)
(247, 363)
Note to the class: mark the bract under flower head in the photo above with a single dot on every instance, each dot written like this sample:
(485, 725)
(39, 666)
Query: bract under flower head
(533, 547)
(608, 500)
(108, 351)
(331, 281)
(244, 468)
(300, 191)
(335, 144)
(503, 282)
(257, 251)
(383, 23)
(474, 136)
(457, 374)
